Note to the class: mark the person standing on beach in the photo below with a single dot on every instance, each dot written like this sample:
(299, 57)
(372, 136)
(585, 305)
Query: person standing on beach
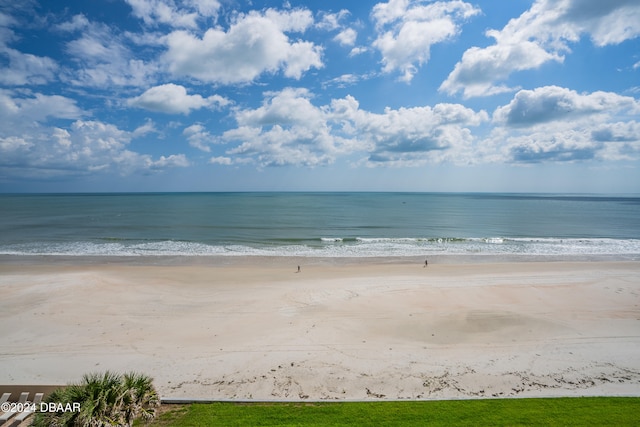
(298, 269)
(426, 263)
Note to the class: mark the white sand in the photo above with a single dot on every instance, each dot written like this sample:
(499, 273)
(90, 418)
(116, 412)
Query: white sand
(332, 331)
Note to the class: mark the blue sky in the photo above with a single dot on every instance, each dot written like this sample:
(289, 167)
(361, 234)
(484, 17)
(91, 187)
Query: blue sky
(228, 95)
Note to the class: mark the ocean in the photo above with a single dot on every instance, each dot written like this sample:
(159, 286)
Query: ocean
(320, 225)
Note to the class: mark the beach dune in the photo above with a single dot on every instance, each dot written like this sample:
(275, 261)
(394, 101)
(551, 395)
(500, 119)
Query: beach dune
(349, 330)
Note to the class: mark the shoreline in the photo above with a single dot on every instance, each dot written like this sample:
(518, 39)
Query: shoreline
(254, 329)
(248, 260)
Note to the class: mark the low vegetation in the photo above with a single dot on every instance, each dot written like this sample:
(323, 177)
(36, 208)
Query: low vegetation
(499, 412)
(106, 399)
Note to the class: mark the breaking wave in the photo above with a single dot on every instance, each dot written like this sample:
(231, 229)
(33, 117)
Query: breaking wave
(336, 247)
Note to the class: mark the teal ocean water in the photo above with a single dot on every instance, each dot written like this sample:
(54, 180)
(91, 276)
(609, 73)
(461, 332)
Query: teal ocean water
(319, 224)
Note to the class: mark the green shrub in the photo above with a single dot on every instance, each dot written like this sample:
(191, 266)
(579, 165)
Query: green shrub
(105, 399)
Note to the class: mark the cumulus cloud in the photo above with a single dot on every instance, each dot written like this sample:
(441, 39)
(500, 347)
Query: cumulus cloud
(97, 146)
(255, 43)
(288, 129)
(554, 124)
(617, 132)
(553, 103)
(610, 22)
(407, 30)
(480, 68)
(182, 41)
(86, 146)
(173, 99)
(347, 37)
(280, 147)
(568, 146)
(18, 110)
(413, 136)
(287, 107)
(549, 124)
(541, 34)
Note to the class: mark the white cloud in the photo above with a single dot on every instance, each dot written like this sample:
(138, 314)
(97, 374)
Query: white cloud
(289, 130)
(407, 30)
(573, 145)
(104, 58)
(77, 23)
(279, 147)
(554, 124)
(567, 146)
(549, 124)
(26, 69)
(220, 160)
(98, 146)
(62, 137)
(413, 136)
(553, 103)
(148, 127)
(607, 22)
(185, 14)
(173, 99)
(23, 138)
(286, 130)
(346, 37)
(358, 50)
(254, 44)
(84, 147)
(206, 7)
(617, 132)
(331, 21)
(199, 137)
(346, 80)
(21, 68)
(6, 20)
(18, 111)
(539, 35)
(480, 68)
(287, 107)
(174, 160)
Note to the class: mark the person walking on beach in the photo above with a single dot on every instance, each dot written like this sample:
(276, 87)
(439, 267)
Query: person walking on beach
(298, 270)
(426, 263)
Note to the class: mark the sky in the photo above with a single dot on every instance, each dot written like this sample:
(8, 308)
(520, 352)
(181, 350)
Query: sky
(233, 95)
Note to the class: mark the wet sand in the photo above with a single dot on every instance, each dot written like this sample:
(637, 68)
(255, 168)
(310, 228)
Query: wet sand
(348, 330)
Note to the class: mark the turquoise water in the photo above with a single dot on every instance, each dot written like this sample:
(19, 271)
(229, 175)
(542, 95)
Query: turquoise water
(319, 224)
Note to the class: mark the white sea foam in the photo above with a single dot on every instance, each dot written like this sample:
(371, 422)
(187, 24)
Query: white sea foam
(494, 240)
(339, 247)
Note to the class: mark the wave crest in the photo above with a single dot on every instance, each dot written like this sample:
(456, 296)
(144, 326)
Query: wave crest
(337, 247)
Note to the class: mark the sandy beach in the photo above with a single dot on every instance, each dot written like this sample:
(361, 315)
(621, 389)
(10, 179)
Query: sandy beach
(258, 329)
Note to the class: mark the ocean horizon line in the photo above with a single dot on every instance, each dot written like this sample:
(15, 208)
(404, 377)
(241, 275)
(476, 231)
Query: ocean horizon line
(387, 192)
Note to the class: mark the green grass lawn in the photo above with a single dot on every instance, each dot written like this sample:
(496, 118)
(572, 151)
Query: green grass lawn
(599, 411)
